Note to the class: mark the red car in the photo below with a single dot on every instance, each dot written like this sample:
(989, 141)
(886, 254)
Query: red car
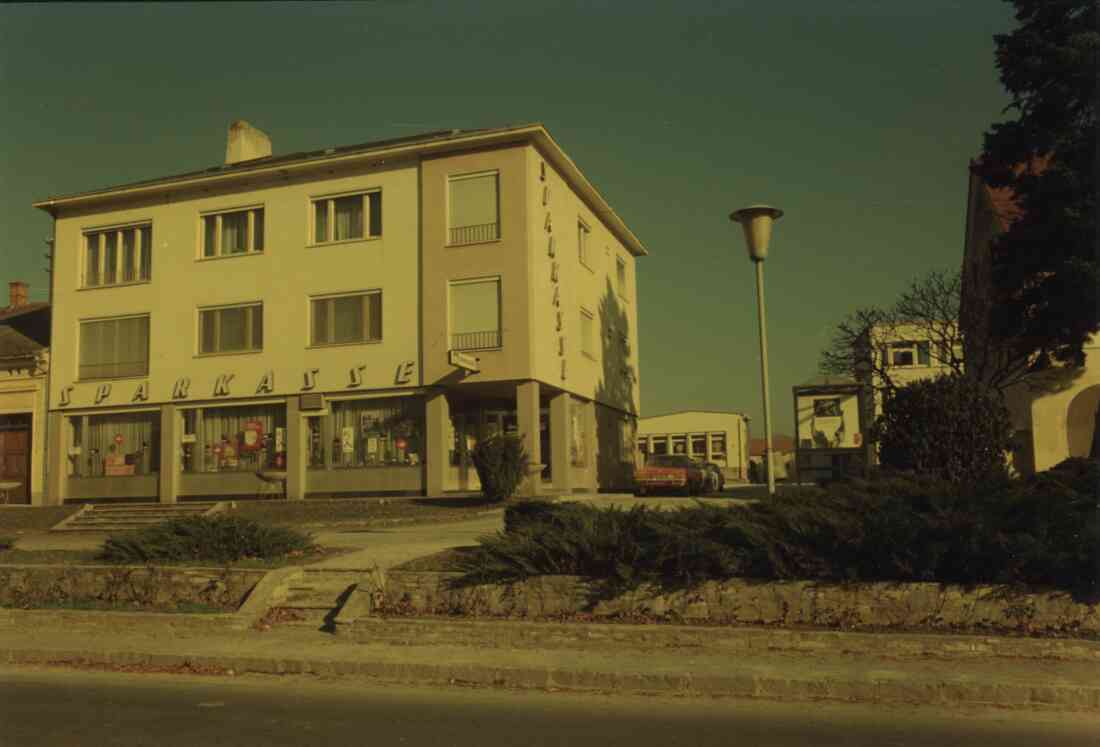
(670, 472)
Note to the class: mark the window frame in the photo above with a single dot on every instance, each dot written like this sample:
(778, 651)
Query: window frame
(367, 340)
(250, 328)
(330, 217)
(584, 239)
(499, 280)
(451, 179)
(92, 320)
(250, 242)
(142, 254)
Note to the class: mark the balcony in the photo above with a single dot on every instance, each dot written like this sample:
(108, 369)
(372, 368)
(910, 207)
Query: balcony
(474, 234)
(476, 340)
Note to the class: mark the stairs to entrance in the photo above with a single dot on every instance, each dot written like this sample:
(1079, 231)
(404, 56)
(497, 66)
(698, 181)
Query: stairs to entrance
(128, 516)
(315, 597)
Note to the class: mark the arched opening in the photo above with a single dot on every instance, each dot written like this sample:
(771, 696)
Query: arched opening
(1081, 422)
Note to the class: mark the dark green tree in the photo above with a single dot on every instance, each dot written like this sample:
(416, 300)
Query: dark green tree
(1044, 266)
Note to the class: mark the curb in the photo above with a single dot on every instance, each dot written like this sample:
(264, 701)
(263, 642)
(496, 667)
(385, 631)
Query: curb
(881, 689)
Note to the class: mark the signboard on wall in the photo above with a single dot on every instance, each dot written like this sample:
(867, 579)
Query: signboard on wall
(252, 437)
(463, 360)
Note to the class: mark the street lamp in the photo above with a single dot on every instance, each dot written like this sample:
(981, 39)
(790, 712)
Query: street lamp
(757, 221)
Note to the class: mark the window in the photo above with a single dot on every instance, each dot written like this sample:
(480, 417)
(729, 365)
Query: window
(231, 329)
(113, 348)
(118, 255)
(475, 314)
(339, 320)
(643, 445)
(474, 208)
(231, 233)
(718, 446)
(679, 444)
(620, 274)
(121, 445)
(347, 217)
(243, 439)
(660, 444)
(699, 446)
(582, 243)
(378, 432)
(588, 335)
(827, 408)
(909, 354)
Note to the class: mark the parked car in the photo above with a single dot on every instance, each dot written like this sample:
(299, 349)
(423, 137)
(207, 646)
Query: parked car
(670, 472)
(716, 481)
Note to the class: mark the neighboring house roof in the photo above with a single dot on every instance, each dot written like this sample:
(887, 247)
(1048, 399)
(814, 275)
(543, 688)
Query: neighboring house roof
(430, 143)
(779, 444)
(14, 344)
(683, 412)
(10, 312)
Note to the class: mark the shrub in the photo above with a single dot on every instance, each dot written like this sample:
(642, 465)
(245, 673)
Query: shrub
(947, 427)
(501, 463)
(217, 539)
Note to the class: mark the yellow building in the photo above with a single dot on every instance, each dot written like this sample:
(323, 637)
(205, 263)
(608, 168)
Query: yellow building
(350, 320)
(1049, 427)
(24, 362)
(707, 435)
(833, 415)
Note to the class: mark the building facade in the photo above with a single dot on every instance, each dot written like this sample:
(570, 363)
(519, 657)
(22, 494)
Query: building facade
(833, 415)
(24, 363)
(347, 321)
(718, 437)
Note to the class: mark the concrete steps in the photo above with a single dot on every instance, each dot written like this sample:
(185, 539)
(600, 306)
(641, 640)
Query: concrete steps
(131, 516)
(314, 597)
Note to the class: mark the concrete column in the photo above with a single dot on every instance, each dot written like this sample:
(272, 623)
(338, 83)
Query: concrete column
(591, 428)
(437, 416)
(527, 413)
(297, 454)
(57, 460)
(561, 437)
(169, 477)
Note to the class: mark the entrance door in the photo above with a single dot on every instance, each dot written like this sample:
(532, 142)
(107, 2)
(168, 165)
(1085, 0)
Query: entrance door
(15, 455)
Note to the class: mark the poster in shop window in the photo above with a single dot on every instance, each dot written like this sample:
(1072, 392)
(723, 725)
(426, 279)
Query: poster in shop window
(347, 437)
(252, 436)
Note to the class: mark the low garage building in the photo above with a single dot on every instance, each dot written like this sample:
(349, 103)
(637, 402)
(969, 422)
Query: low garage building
(707, 435)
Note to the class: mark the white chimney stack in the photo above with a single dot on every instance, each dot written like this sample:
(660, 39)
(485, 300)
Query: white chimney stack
(246, 143)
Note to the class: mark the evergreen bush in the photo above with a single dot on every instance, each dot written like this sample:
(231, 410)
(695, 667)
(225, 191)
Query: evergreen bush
(501, 463)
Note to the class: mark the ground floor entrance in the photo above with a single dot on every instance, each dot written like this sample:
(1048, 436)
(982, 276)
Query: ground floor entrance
(15, 458)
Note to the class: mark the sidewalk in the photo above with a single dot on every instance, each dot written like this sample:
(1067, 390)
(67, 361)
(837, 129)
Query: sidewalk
(792, 675)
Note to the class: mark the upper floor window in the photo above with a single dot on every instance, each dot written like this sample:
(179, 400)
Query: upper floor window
(347, 217)
(620, 275)
(475, 314)
(234, 232)
(113, 348)
(231, 329)
(343, 319)
(588, 335)
(904, 354)
(583, 232)
(118, 255)
(474, 208)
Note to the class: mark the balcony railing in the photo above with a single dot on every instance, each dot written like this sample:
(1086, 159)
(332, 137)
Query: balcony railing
(474, 234)
(476, 340)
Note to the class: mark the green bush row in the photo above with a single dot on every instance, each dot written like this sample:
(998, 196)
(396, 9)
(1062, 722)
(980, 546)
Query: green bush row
(215, 539)
(1044, 531)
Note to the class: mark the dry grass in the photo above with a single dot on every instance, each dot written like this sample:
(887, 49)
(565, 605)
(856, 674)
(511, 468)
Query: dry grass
(22, 519)
(363, 511)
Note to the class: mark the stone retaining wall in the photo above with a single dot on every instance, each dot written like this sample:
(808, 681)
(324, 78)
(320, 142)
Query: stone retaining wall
(144, 587)
(866, 606)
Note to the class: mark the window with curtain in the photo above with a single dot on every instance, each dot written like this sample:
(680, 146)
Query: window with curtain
(243, 439)
(474, 209)
(475, 314)
(113, 348)
(347, 217)
(377, 432)
(121, 445)
(232, 329)
(234, 232)
(118, 255)
(344, 319)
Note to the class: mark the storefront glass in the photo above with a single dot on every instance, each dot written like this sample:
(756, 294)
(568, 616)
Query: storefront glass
(242, 439)
(119, 445)
(377, 432)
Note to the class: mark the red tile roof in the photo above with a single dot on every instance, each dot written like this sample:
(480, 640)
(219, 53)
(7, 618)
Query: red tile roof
(779, 444)
(9, 312)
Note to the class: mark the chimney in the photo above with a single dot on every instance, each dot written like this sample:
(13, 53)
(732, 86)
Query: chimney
(17, 293)
(245, 143)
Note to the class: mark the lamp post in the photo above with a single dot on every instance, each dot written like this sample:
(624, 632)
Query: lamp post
(756, 220)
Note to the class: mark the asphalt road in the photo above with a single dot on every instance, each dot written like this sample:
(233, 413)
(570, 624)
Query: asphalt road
(65, 707)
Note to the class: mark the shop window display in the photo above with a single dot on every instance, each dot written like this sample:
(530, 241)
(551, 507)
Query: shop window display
(377, 432)
(243, 439)
(120, 445)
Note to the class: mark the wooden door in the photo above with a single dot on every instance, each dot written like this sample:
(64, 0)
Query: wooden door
(15, 461)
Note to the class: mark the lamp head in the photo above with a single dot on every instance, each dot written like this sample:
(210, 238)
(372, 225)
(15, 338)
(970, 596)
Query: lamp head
(756, 220)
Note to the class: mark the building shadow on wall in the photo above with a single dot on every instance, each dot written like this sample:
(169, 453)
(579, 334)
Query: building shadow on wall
(616, 410)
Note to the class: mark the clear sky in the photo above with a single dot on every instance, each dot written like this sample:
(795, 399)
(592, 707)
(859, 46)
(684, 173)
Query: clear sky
(856, 117)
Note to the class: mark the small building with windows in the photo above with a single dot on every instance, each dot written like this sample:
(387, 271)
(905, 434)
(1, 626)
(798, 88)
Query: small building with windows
(707, 435)
(352, 320)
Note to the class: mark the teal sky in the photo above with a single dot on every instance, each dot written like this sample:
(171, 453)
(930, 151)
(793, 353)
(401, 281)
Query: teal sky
(856, 117)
